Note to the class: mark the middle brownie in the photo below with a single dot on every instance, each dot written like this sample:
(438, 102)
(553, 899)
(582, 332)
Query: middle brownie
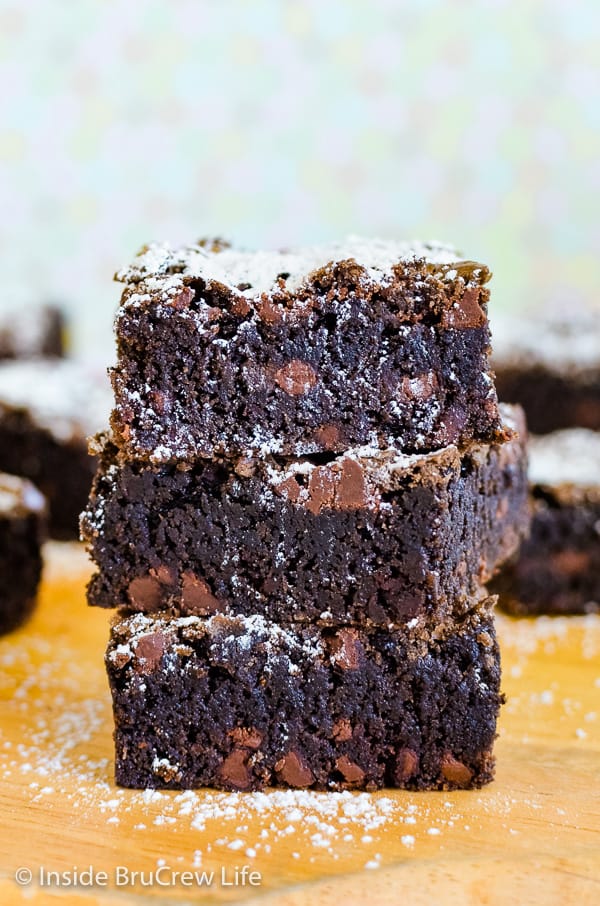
(371, 537)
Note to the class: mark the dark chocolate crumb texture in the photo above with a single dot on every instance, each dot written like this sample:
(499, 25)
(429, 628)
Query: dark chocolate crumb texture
(369, 537)
(558, 568)
(241, 703)
(231, 353)
(22, 530)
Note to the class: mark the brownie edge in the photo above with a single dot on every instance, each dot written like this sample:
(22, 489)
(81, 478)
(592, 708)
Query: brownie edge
(261, 705)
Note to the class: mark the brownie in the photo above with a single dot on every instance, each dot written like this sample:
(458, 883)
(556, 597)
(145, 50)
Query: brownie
(222, 352)
(558, 568)
(22, 530)
(47, 410)
(371, 536)
(551, 366)
(243, 703)
(32, 332)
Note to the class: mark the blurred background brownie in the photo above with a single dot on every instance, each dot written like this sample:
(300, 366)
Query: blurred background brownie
(32, 332)
(22, 530)
(222, 352)
(242, 703)
(48, 409)
(558, 568)
(551, 366)
(371, 536)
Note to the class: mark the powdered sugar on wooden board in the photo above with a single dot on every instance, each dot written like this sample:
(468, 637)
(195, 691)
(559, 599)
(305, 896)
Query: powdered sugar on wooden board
(58, 797)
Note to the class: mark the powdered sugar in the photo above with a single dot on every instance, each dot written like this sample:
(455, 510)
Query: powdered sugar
(253, 273)
(63, 397)
(571, 456)
(571, 343)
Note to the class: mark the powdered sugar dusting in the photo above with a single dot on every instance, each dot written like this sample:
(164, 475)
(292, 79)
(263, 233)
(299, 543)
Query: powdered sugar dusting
(64, 397)
(253, 273)
(55, 747)
(556, 343)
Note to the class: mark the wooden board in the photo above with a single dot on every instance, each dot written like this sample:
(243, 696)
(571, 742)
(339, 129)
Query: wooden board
(533, 836)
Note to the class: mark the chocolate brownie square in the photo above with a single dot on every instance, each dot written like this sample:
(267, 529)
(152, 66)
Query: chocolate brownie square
(551, 366)
(222, 352)
(370, 536)
(47, 411)
(22, 530)
(32, 332)
(558, 568)
(243, 703)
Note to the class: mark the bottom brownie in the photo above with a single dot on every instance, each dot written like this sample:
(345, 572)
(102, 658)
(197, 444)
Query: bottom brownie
(22, 521)
(242, 703)
(558, 568)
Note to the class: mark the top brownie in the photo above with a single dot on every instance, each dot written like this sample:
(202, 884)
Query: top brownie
(222, 352)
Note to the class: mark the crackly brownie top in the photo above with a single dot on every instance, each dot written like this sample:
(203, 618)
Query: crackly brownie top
(356, 478)
(141, 639)
(567, 342)
(18, 497)
(162, 270)
(566, 458)
(66, 398)
(359, 476)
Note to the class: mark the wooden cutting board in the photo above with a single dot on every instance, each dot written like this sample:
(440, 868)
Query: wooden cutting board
(533, 836)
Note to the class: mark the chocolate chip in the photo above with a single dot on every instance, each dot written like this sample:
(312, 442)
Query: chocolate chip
(292, 770)
(269, 312)
(196, 596)
(247, 737)
(289, 489)
(346, 649)
(342, 730)
(351, 771)
(329, 437)
(183, 299)
(149, 650)
(466, 311)
(296, 377)
(164, 574)
(455, 771)
(351, 490)
(321, 489)
(146, 593)
(234, 772)
(406, 765)
(419, 388)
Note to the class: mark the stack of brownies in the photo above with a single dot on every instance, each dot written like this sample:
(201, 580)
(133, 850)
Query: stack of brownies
(551, 365)
(307, 486)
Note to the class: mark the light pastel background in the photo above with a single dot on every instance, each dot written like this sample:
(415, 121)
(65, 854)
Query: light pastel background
(281, 122)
